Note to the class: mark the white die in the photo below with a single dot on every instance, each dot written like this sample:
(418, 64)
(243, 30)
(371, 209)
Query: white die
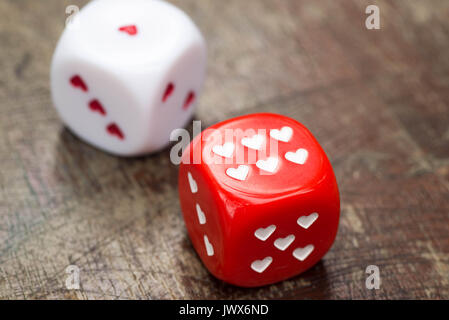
(127, 73)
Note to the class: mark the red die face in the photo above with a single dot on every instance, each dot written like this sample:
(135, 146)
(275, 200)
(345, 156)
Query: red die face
(259, 199)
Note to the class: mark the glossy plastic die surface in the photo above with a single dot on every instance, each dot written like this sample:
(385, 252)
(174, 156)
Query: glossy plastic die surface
(259, 199)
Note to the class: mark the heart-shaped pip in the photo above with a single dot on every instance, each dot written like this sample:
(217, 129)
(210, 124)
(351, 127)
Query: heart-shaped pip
(192, 183)
(284, 243)
(131, 29)
(283, 135)
(264, 233)
(226, 150)
(302, 253)
(269, 165)
(255, 142)
(307, 221)
(299, 157)
(261, 265)
(209, 247)
(240, 173)
(200, 213)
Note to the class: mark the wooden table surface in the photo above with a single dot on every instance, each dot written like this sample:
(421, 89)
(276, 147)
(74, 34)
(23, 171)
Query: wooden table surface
(377, 100)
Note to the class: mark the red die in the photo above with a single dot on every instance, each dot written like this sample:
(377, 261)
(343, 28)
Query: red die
(259, 199)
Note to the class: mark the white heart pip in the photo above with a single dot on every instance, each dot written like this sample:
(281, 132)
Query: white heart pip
(283, 135)
(226, 150)
(264, 233)
(255, 142)
(240, 173)
(298, 157)
(269, 165)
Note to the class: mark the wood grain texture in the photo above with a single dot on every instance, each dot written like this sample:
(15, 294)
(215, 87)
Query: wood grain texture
(377, 100)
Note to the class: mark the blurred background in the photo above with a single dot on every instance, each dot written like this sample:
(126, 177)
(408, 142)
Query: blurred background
(377, 101)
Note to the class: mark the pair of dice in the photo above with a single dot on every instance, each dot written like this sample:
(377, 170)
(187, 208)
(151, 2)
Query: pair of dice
(261, 205)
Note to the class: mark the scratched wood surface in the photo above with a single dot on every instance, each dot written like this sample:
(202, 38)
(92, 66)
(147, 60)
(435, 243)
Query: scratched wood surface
(377, 100)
